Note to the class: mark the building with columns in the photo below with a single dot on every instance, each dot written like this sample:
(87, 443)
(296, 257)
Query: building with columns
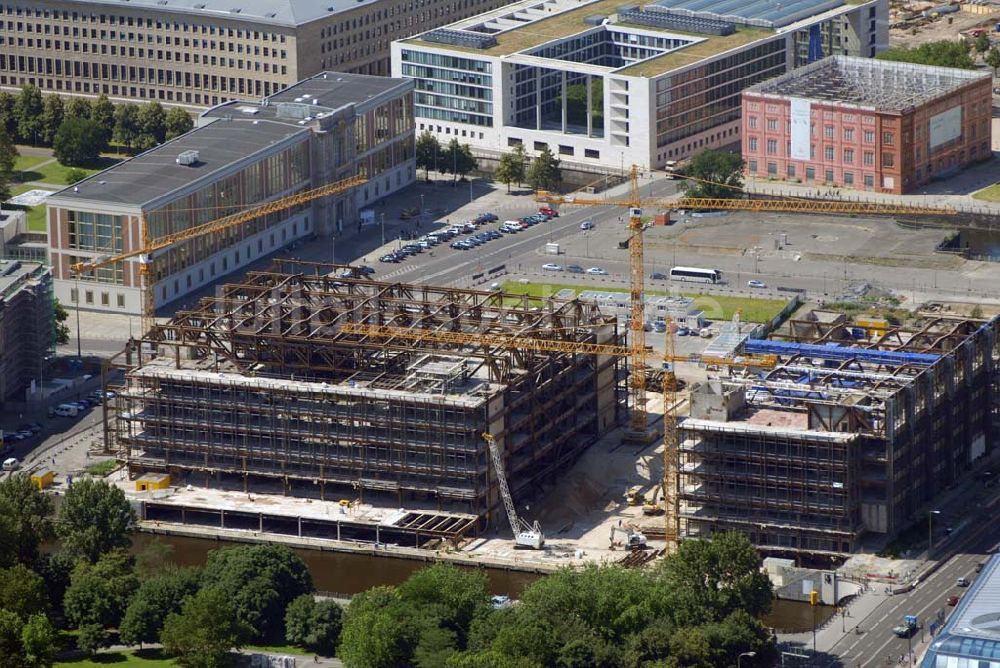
(321, 130)
(604, 86)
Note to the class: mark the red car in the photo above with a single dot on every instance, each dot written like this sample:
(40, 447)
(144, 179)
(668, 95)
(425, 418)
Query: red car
(549, 211)
(952, 600)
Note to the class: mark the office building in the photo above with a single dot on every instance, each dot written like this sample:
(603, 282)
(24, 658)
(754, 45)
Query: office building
(287, 401)
(604, 86)
(200, 53)
(852, 428)
(324, 129)
(27, 328)
(867, 124)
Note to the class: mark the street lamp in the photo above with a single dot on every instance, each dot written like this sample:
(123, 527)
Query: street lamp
(739, 659)
(79, 347)
(930, 530)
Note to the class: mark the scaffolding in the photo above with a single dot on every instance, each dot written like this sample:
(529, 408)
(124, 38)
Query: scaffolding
(263, 385)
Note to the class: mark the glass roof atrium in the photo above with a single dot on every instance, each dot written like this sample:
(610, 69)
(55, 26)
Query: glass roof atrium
(758, 13)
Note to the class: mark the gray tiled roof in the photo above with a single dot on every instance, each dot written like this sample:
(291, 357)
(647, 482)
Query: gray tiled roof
(276, 12)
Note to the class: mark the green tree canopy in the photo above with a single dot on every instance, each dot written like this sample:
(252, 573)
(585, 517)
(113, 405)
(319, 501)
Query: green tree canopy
(8, 154)
(544, 172)
(177, 122)
(993, 59)
(103, 113)
(982, 43)
(152, 121)
(28, 110)
(26, 643)
(511, 167)
(30, 515)
(457, 159)
(260, 580)
(78, 107)
(944, 53)
(156, 598)
(78, 141)
(94, 518)
(52, 117)
(716, 174)
(8, 113)
(126, 125)
(100, 593)
(204, 631)
(22, 591)
(428, 152)
(313, 625)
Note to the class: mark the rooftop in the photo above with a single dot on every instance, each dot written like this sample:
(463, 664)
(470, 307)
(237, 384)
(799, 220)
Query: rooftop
(284, 13)
(530, 23)
(15, 273)
(973, 630)
(154, 174)
(866, 82)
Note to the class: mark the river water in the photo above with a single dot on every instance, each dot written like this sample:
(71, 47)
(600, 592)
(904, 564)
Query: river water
(347, 574)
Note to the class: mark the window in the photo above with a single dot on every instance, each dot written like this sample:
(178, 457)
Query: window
(752, 123)
(752, 166)
(105, 299)
(848, 178)
(869, 180)
(88, 296)
(752, 144)
(591, 153)
(828, 131)
(849, 155)
(565, 150)
(869, 158)
(791, 171)
(772, 169)
(869, 136)
(772, 124)
(772, 146)
(121, 300)
(74, 295)
(828, 153)
(848, 134)
(540, 146)
(888, 160)
(512, 141)
(829, 176)
(888, 138)
(810, 173)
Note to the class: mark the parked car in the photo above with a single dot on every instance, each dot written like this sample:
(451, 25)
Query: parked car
(962, 582)
(952, 600)
(597, 271)
(10, 464)
(389, 258)
(574, 269)
(552, 266)
(586, 225)
(66, 410)
(549, 211)
(754, 283)
(658, 276)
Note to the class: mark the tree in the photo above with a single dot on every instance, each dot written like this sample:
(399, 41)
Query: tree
(260, 581)
(52, 117)
(544, 171)
(314, 626)
(30, 511)
(8, 154)
(177, 122)
(427, 150)
(79, 141)
(77, 107)
(943, 53)
(103, 113)
(982, 43)
(22, 591)
(457, 160)
(92, 637)
(28, 111)
(75, 175)
(510, 170)
(38, 642)
(716, 174)
(59, 322)
(94, 518)
(100, 593)
(993, 59)
(8, 113)
(201, 635)
(156, 598)
(126, 126)
(711, 578)
(152, 122)
(462, 593)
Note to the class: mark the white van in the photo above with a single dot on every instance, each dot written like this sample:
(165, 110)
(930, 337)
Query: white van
(66, 410)
(10, 464)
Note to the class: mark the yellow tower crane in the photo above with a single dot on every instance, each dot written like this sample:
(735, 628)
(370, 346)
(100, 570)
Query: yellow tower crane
(634, 202)
(405, 337)
(150, 246)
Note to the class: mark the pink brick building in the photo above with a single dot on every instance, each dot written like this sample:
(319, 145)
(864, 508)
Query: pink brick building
(866, 124)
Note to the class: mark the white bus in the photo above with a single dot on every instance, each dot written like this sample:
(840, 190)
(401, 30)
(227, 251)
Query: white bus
(696, 275)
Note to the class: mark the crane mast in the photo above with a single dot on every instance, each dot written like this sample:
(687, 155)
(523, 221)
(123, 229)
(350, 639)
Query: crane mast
(525, 535)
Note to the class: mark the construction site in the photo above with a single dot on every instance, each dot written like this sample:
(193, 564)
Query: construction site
(263, 389)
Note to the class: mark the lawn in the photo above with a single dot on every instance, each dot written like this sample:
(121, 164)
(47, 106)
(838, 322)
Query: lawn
(56, 173)
(101, 469)
(36, 215)
(138, 658)
(25, 162)
(716, 307)
(988, 194)
(290, 650)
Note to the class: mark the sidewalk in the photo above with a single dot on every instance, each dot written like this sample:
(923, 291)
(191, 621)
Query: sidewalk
(838, 627)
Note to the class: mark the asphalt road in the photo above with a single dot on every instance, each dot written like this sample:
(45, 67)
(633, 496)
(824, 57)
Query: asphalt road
(928, 600)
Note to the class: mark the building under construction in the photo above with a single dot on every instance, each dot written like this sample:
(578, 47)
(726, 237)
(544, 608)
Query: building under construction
(261, 389)
(851, 430)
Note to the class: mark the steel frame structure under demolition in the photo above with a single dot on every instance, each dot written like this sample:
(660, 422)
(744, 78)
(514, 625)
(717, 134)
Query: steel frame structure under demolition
(842, 437)
(259, 385)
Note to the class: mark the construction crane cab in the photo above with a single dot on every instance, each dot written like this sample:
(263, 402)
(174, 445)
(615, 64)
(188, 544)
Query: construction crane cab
(634, 539)
(634, 495)
(527, 536)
